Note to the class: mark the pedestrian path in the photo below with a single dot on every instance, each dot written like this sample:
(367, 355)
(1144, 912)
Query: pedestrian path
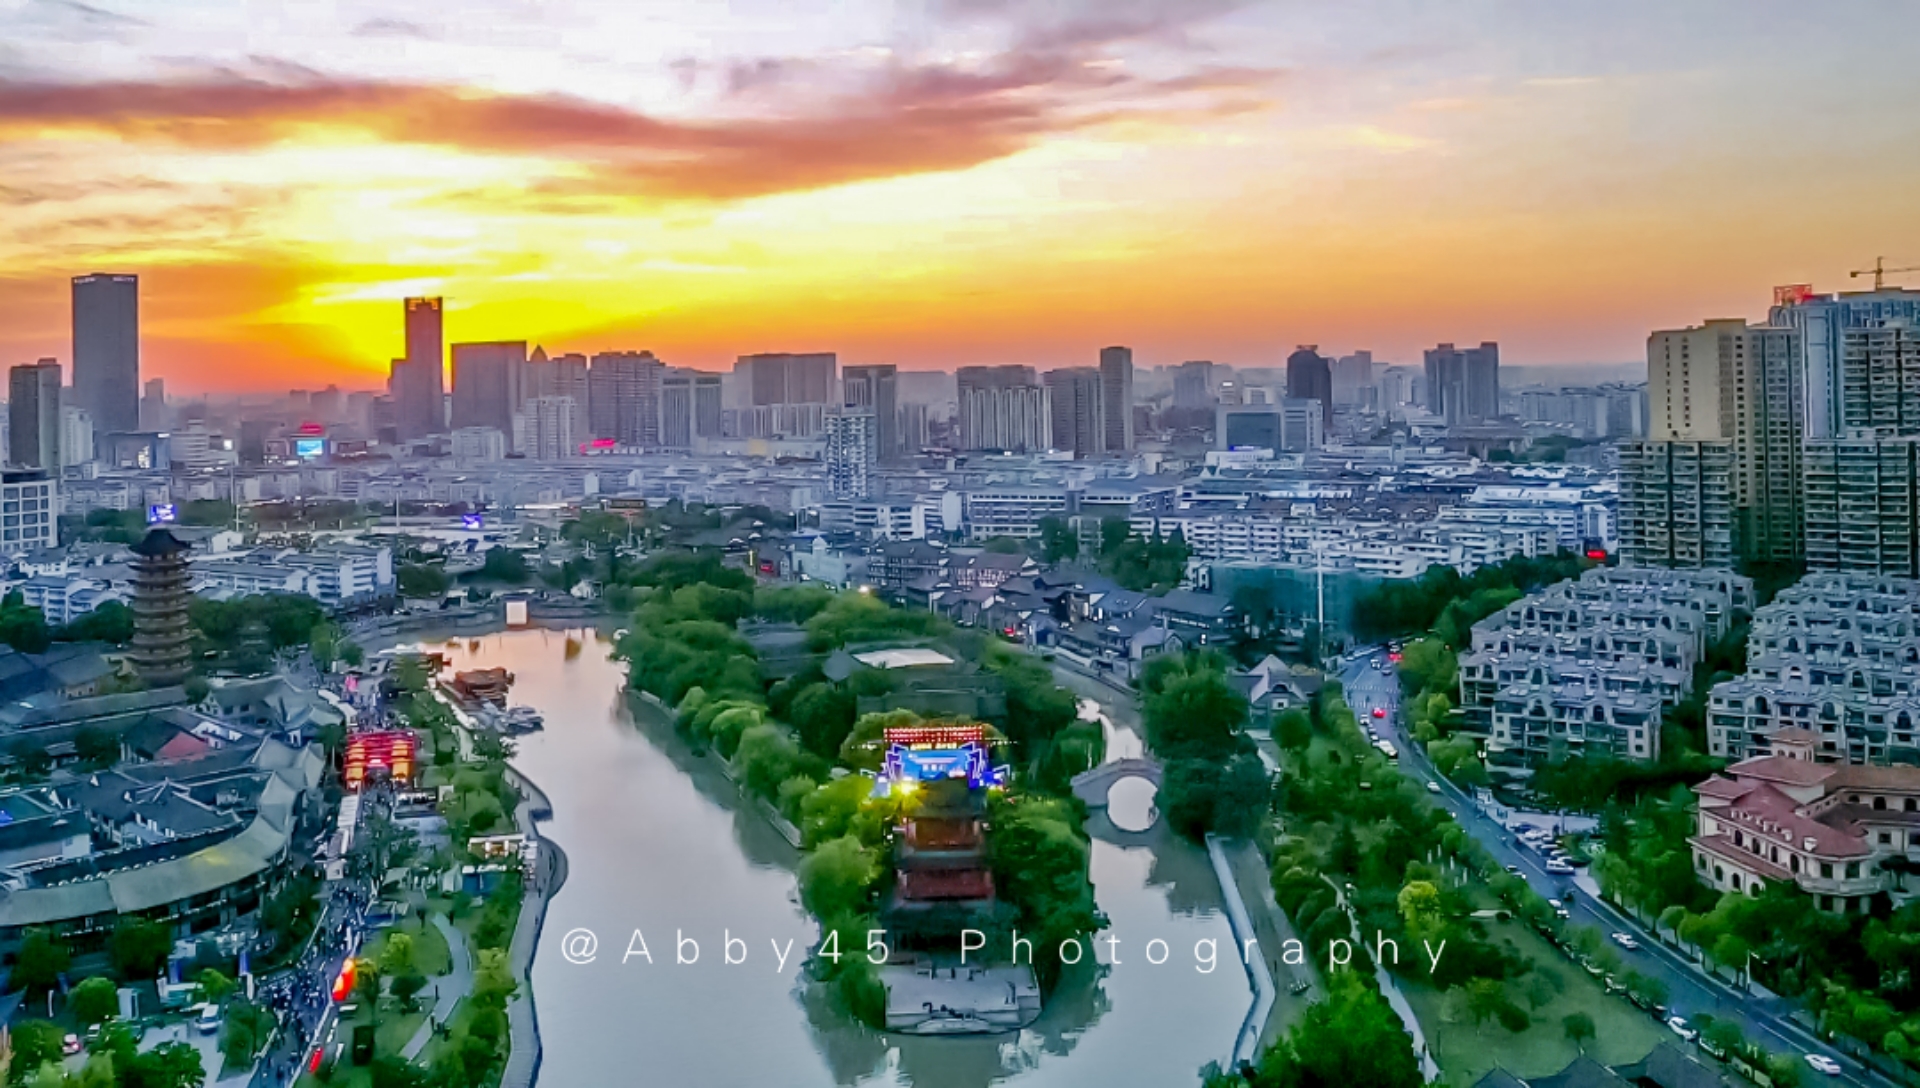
(448, 990)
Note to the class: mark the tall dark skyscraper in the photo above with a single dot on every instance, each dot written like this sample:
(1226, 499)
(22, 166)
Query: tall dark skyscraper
(419, 381)
(623, 399)
(1116, 396)
(1079, 409)
(1463, 384)
(876, 388)
(787, 378)
(1310, 377)
(106, 350)
(486, 384)
(33, 416)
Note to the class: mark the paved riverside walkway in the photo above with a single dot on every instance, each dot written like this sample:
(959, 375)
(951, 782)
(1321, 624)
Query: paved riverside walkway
(448, 990)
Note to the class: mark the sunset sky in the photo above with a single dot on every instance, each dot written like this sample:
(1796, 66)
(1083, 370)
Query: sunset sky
(941, 182)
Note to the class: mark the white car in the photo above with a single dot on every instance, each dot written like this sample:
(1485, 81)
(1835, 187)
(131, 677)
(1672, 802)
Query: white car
(1433, 787)
(1823, 1064)
(1682, 1028)
(1559, 868)
(1626, 941)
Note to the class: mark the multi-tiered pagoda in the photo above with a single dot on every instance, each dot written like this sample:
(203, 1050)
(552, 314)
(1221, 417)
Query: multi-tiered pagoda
(162, 587)
(942, 881)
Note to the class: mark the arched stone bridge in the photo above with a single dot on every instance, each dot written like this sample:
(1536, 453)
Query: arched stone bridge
(1092, 786)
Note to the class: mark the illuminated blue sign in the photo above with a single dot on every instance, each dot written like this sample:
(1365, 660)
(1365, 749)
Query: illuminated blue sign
(473, 521)
(162, 513)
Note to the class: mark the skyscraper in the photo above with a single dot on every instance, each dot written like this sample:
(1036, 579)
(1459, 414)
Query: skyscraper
(547, 428)
(1193, 385)
(676, 409)
(561, 376)
(1116, 396)
(106, 349)
(623, 398)
(153, 406)
(708, 403)
(33, 416)
(1078, 400)
(787, 378)
(1310, 377)
(1353, 379)
(418, 382)
(852, 448)
(875, 388)
(1834, 329)
(486, 383)
(1004, 408)
(1463, 384)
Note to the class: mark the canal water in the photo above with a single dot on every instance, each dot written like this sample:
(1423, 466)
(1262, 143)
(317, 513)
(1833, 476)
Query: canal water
(659, 844)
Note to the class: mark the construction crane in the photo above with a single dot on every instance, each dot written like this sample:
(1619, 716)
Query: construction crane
(1879, 272)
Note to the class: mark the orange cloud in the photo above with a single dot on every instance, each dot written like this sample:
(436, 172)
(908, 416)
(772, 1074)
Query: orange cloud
(903, 120)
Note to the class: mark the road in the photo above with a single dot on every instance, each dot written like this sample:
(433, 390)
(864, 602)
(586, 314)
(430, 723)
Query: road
(1690, 991)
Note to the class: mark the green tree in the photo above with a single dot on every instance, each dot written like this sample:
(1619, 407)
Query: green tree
(397, 958)
(94, 1000)
(1293, 730)
(40, 962)
(837, 877)
(1350, 1039)
(35, 1043)
(31, 761)
(1058, 540)
(112, 622)
(1420, 907)
(138, 947)
(1725, 1034)
(493, 977)
(244, 1030)
(419, 580)
(1195, 714)
(96, 748)
(213, 987)
(23, 627)
(169, 1065)
(504, 564)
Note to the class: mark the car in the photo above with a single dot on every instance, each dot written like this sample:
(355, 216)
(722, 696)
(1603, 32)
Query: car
(1300, 986)
(1613, 985)
(1680, 1027)
(1563, 914)
(1559, 868)
(1433, 787)
(70, 1044)
(1626, 941)
(1659, 1013)
(1823, 1064)
(208, 1022)
(1555, 904)
(1379, 711)
(1514, 869)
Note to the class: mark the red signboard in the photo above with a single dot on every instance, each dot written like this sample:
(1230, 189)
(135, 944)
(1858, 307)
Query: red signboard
(934, 736)
(1793, 294)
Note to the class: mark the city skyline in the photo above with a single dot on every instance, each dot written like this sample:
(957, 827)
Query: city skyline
(941, 185)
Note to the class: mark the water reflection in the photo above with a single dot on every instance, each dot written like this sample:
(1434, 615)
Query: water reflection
(657, 842)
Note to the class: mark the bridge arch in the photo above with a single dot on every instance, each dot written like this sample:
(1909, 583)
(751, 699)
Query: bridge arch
(1094, 786)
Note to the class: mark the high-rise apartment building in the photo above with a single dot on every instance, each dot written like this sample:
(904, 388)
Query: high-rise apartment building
(154, 415)
(31, 498)
(1765, 394)
(486, 383)
(1838, 356)
(1353, 379)
(623, 398)
(106, 349)
(709, 403)
(33, 416)
(1862, 497)
(546, 428)
(1078, 401)
(1463, 384)
(787, 378)
(676, 409)
(1676, 503)
(76, 437)
(1003, 408)
(1193, 384)
(560, 376)
(1310, 377)
(418, 381)
(875, 387)
(853, 446)
(1116, 396)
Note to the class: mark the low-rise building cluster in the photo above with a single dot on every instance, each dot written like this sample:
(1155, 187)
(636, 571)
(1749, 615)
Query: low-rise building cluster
(1588, 665)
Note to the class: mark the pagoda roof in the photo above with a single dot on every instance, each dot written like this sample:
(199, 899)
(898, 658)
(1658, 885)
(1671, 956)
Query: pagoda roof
(159, 543)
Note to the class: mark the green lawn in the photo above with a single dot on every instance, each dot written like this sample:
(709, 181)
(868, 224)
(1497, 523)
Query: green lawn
(429, 946)
(1466, 1051)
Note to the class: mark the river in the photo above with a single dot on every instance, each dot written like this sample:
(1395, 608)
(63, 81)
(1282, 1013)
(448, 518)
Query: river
(657, 842)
